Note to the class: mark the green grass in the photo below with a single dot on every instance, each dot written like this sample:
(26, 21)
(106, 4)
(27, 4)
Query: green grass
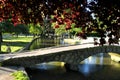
(15, 43)
(20, 75)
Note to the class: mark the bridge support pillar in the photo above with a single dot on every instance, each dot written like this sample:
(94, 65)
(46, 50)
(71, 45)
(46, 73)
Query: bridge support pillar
(71, 67)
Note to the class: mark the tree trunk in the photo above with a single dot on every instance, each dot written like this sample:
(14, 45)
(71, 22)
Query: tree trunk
(0, 46)
(0, 40)
(119, 32)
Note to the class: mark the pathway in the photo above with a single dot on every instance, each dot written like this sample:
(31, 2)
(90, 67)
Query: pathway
(45, 51)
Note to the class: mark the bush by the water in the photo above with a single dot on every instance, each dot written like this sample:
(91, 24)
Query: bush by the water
(20, 75)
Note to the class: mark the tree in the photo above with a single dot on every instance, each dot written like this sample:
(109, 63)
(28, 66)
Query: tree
(21, 29)
(25, 11)
(35, 29)
(5, 26)
(7, 18)
(68, 17)
(74, 16)
(107, 18)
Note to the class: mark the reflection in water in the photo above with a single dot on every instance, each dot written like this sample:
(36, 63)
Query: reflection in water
(44, 43)
(49, 65)
(92, 68)
(91, 64)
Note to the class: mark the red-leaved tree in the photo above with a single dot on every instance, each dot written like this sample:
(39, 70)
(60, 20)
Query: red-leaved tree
(71, 17)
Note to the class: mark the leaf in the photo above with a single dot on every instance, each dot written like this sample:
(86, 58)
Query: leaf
(52, 16)
(53, 24)
(68, 10)
(77, 29)
(73, 25)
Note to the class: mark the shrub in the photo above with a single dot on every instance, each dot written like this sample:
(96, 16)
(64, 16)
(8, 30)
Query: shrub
(20, 75)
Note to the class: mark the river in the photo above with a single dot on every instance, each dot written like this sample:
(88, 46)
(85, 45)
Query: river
(96, 67)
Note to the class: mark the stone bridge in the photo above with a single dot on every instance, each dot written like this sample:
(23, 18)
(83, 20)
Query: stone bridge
(69, 54)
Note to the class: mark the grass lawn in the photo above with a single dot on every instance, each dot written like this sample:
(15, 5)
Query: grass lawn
(15, 43)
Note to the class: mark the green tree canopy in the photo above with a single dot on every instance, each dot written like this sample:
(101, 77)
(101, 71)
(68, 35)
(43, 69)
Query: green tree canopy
(35, 29)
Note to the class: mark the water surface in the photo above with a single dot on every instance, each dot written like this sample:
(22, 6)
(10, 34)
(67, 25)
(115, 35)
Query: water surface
(96, 67)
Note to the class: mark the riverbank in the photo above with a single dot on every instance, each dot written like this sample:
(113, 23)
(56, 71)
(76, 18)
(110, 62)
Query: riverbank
(5, 73)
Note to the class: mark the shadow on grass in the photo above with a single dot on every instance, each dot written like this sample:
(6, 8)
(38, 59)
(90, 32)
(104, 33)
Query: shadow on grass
(17, 43)
(3, 52)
